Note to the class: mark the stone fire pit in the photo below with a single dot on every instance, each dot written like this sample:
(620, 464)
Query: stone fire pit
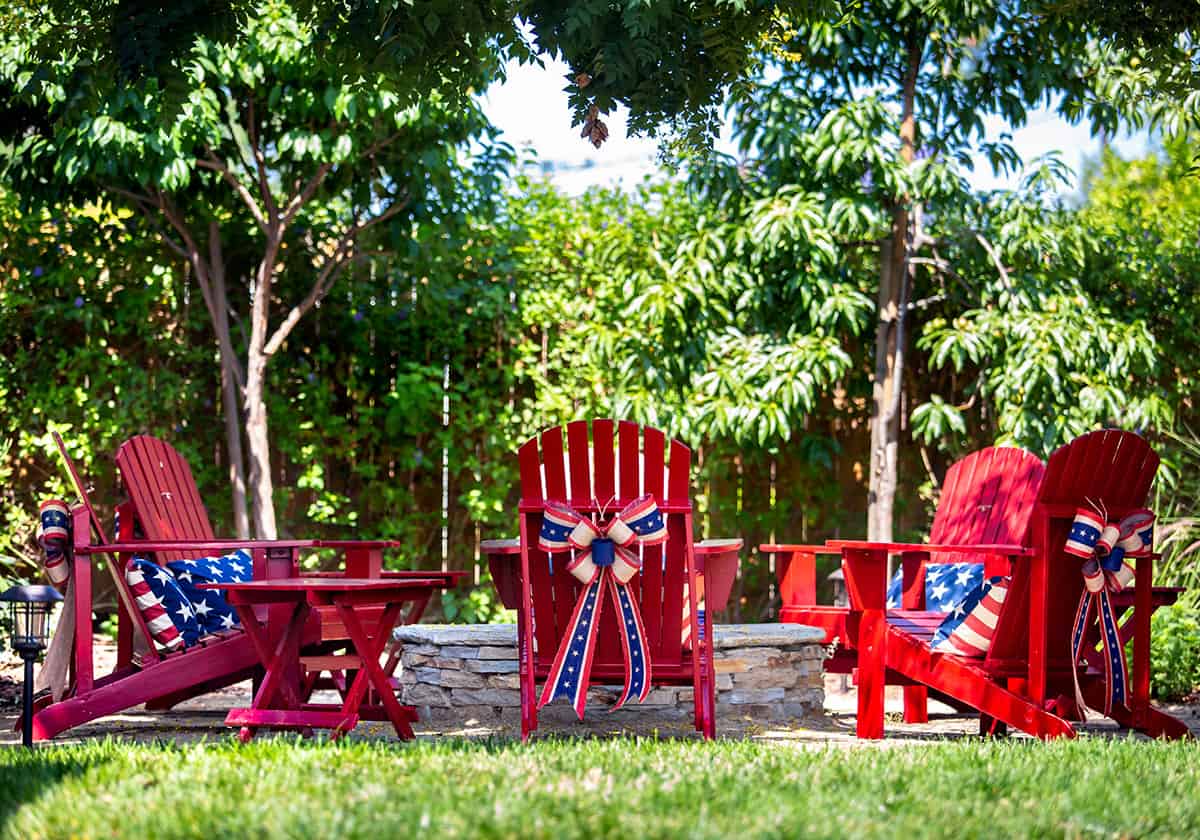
(462, 673)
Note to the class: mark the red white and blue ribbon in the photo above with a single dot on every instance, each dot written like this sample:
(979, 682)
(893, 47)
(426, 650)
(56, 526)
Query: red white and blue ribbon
(1104, 547)
(605, 560)
(52, 536)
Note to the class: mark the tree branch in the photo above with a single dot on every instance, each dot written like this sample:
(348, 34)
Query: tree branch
(145, 205)
(300, 199)
(944, 267)
(260, 165)
(335, 263)
(220, 168)
(996, 261)
(860, 243)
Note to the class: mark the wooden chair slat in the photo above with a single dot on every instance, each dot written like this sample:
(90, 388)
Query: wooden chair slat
(529, 467)
(654, 462)
(652, 595)
(629, 458)
(579, 461)
(680, 475)
(603, 460)
(552, 461)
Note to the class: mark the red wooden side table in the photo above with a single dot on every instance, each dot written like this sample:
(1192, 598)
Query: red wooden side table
(278, 704)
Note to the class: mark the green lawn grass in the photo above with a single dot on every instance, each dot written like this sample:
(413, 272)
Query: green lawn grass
(588, 788)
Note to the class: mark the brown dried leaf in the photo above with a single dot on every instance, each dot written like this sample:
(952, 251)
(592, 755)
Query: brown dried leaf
(599, 133)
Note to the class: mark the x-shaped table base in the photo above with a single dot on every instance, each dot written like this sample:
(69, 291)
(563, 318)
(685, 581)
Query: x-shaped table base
(278, 704)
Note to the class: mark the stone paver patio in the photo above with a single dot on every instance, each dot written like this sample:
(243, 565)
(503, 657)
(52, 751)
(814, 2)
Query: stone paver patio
(202, 719)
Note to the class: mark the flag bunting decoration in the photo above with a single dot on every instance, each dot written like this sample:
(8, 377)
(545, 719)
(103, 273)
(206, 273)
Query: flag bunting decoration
(605, 561)
(1104, 546)
(52, 536)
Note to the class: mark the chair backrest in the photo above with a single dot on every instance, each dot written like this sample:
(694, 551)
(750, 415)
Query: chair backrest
(163, 492)
(1110, 468)
(987, 499)
(603, 464)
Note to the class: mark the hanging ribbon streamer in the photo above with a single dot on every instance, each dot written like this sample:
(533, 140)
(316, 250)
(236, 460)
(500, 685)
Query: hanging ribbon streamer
(52, 535)
(605, 559)
(1104, 547)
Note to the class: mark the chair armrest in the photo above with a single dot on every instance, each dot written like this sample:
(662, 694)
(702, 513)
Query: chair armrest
(797, 571)
(782, 548)
(866, 577)
(1006, 549)
(912, 579)
(512, 547)
(136, 546)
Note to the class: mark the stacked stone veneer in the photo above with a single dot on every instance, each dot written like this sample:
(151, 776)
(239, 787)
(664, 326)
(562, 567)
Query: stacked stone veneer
(468, 673)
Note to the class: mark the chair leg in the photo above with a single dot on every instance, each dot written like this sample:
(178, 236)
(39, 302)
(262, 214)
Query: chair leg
(528, 686)
(872, 638)
(990, 727)
(916, 704)
(710, 707)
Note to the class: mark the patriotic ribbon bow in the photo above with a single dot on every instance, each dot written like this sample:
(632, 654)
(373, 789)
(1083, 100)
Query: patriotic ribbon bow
(52, 536)
(1104, 546)
(605, 559)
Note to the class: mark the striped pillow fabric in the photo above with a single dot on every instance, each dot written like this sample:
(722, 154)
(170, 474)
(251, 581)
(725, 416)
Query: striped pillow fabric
(968, 629)
(167, 611)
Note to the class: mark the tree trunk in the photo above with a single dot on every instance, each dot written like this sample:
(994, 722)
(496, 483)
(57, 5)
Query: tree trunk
(237, 460)
(894, 289)
(210, 275)
(258, 442)
(258, 439)
(230, 385)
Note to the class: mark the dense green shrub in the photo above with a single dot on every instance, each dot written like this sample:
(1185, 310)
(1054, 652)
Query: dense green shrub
(1175, 651)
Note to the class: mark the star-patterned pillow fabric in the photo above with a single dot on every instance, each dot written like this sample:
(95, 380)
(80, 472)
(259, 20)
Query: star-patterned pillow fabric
(160, 597)
(212, 611)
(946, 585)
(968, 629)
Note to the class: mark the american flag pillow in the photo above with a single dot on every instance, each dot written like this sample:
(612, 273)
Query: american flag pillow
(968, 629)
(212, 611)
(946, 585)
(167, 611)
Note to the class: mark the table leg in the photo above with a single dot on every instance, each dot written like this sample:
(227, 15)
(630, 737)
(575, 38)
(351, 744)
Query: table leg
(369, 650)
(275, 654)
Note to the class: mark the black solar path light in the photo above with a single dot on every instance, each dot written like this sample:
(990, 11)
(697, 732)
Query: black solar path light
(29, 608)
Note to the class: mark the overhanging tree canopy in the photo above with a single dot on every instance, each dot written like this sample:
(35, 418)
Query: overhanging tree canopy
(269, 141)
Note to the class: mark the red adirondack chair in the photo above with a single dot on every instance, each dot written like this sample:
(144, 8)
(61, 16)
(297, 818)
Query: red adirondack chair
(164, 502)
(987, 499)
(621, 462)
(1026, 680)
